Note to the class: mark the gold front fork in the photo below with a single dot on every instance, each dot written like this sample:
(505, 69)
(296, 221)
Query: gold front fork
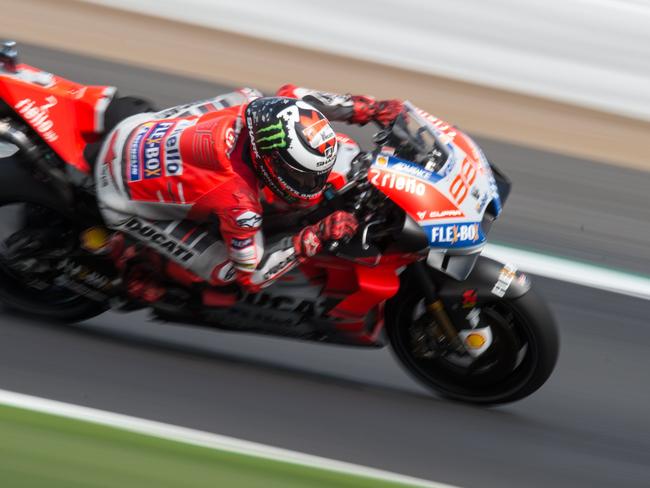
(437, 309)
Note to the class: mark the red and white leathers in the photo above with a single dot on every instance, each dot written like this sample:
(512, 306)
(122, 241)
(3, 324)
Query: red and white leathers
(179, 178)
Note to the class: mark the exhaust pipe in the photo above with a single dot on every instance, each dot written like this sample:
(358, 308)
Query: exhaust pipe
(33, 154)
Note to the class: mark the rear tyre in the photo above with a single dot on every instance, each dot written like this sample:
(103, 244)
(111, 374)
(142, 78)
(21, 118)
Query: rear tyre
(68, 309)
(36, 294)
(21, 194)
(521, 358)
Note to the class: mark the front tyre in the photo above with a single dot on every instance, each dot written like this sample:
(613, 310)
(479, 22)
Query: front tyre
(521, 358)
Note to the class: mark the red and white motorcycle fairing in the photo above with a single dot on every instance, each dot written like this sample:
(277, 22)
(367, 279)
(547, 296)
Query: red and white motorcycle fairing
(67, 115)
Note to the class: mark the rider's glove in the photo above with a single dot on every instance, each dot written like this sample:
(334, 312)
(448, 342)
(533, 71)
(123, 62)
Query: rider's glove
(368, 109)
(337, 226)
(386, 111)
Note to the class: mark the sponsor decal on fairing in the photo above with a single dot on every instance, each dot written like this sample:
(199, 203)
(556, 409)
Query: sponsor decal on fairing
(461, 184)
(456, 235)
(38, 116)
(469, 298)
(506, 275)
(413, 188)
(390, 180)
(402, 166)
(439, 214)
(449, 203)
(414, 170)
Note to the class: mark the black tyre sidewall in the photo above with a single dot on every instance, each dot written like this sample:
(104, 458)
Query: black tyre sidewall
(530, 311)
(18, 185)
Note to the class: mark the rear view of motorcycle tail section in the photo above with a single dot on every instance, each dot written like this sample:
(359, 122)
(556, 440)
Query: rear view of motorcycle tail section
(37, 219)
(64, 115)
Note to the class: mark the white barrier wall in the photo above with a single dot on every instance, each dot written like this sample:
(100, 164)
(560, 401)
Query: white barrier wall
(594, 53)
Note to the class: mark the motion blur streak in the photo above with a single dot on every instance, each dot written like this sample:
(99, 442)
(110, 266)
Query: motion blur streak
(557, 205)
(587, 427)
(519, 46)
(222, 56)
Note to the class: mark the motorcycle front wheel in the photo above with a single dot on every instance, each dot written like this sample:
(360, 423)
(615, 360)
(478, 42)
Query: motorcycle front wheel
(522, 356)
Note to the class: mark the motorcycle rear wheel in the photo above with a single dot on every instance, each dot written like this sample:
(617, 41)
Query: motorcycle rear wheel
(19, 188)
(519, 361)
(53, 302)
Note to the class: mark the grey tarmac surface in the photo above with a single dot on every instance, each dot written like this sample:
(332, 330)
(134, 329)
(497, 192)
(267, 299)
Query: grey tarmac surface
(586, 427)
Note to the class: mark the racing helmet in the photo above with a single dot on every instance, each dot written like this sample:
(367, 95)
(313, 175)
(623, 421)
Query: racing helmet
(293, 147)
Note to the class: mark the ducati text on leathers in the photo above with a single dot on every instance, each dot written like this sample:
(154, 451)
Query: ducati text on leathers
(89, 225)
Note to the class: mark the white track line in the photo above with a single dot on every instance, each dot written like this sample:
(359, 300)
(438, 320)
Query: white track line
(571, 271)
(203, 439)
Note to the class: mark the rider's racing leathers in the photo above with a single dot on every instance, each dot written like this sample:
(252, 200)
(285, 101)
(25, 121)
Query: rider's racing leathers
(180, 181)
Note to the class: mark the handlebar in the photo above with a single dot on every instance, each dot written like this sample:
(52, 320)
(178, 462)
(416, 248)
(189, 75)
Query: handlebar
(395, 135)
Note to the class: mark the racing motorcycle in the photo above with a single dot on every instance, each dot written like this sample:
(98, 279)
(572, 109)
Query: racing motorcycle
(469, 328)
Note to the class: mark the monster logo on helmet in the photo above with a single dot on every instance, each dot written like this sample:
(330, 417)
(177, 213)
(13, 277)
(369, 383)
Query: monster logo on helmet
(293, 147)
(273, 137)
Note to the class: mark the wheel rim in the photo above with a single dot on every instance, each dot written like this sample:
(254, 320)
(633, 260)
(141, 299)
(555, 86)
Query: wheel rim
(505, 367)
(15, 217)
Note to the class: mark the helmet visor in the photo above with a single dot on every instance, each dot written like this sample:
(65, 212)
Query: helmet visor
(305, 184)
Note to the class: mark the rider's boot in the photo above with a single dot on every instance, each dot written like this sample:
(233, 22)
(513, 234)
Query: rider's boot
(140, 267)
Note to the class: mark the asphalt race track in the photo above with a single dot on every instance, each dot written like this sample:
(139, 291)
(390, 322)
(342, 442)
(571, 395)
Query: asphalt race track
(588, 426)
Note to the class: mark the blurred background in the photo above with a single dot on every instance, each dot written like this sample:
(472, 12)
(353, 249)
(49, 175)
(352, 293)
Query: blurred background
(558, 95)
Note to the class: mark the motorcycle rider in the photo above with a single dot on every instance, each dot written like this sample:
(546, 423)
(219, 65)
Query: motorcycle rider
(187, 182)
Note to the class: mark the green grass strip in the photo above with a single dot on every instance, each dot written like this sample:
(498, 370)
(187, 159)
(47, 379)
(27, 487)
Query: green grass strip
(40, 450)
